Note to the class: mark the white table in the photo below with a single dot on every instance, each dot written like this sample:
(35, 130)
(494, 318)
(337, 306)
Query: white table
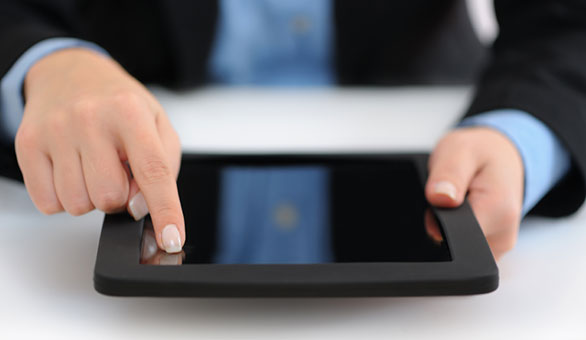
(47, 261)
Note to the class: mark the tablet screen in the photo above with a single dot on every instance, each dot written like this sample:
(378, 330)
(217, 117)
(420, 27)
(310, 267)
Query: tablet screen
(302, 212)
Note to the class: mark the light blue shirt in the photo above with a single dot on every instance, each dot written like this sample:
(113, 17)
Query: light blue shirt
(273, 42)
(289, 42)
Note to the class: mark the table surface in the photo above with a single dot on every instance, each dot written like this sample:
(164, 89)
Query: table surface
(46, 287)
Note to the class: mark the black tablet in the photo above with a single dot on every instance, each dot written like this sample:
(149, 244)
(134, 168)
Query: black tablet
(301, 225)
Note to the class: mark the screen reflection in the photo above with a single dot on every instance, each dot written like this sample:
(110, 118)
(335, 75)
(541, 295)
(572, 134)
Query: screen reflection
(360, 211)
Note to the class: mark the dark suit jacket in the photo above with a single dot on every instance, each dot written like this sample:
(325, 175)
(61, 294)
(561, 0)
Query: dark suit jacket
(538, 63)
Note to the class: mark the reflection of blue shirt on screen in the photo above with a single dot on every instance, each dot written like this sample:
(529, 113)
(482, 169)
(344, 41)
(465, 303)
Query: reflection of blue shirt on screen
(274, 215)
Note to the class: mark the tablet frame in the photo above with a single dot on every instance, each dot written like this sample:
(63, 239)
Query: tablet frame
(472, 269)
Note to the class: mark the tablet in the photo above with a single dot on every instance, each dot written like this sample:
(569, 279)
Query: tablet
(301, 225)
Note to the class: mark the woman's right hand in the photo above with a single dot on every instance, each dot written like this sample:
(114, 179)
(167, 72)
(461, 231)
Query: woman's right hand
(85, 119)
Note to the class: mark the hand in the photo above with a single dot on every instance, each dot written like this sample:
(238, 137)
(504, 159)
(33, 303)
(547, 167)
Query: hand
(85, 119)
(486, 165)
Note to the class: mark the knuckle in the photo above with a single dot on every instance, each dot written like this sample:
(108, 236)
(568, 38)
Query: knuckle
(128, 104)
(85, 109)
(451, 156)
(462, 141)
(126, 97)
(76, 203)
(57, 125)
(79, 208)
(44, 200)
(27, 138)
(511, 216)
(143, 136)
(165, 211)
(154, 171)
(110, 201)
(48, 207)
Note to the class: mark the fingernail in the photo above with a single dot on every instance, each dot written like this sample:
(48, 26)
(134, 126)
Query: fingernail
(138, 207)
(171, 239)
(445, 188)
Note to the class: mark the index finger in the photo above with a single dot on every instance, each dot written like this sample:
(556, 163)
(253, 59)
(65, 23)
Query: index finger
(156, 179)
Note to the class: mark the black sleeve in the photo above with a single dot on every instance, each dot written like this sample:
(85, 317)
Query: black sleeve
(23, 23)
(538, 65)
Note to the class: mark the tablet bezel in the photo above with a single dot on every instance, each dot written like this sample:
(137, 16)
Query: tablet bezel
(472, 269)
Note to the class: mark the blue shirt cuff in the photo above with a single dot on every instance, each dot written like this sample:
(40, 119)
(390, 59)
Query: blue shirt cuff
(11, 101)
(545, 159)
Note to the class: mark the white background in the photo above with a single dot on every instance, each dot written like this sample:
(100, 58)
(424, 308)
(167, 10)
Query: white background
(47, 261)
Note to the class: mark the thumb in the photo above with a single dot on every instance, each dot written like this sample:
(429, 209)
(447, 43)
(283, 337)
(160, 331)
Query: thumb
(451, 169)
(137, 206)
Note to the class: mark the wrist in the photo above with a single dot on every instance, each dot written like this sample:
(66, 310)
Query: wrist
(60, 64)
(545, 159)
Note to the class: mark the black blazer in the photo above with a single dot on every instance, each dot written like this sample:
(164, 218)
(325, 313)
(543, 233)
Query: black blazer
(537, 64)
